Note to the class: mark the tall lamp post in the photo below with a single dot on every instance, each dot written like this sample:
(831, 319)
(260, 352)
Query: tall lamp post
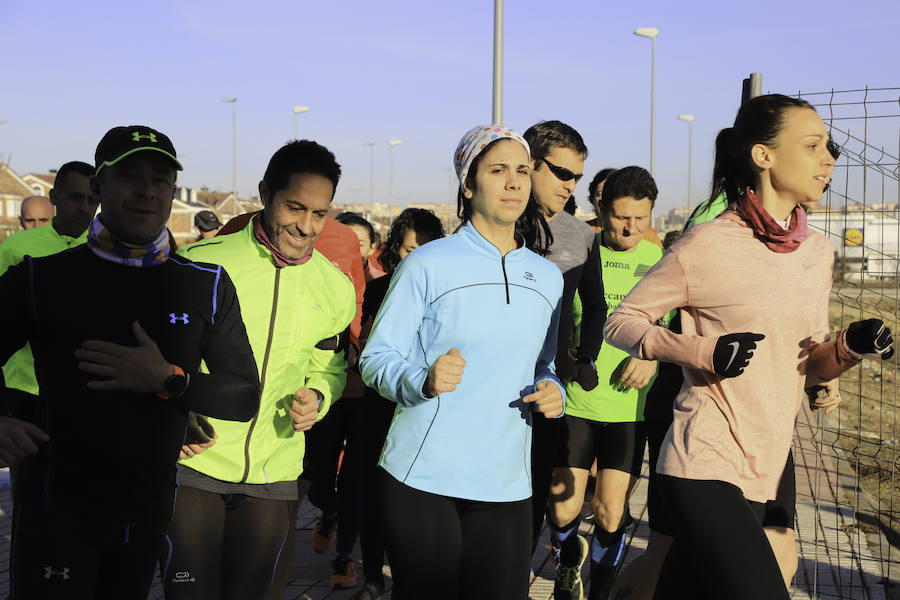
(651, 32)
(497, 100)
(391, 143)
(449, 173)
(233, 102)
(297, 111)
(4, 122)
(690, 122)
(371, 146)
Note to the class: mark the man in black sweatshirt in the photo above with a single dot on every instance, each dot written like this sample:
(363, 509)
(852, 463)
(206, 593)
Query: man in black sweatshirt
(118, 329)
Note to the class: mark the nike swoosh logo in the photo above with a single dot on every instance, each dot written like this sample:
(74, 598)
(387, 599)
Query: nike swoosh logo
(735, 346)
(806, 266)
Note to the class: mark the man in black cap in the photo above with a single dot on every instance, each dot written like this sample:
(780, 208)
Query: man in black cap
(207, 223)
(117, 359)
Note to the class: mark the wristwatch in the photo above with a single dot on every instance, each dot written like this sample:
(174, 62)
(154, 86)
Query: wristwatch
(175, 384)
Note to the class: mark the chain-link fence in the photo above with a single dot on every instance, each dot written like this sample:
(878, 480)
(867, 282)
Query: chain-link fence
(856, 447)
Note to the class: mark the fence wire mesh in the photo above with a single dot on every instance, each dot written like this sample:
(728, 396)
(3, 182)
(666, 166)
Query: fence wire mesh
(852, 455)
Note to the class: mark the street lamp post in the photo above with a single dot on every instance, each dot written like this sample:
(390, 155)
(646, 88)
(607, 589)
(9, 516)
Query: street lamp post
(391, 143)
(690, 122)
(651, 32)
(497, 102)
(371, 146)
(297, 111)
(4, 122)
(449, 173)
(233, 102)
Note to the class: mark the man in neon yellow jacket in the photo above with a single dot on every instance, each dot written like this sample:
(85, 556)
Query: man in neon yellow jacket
(237, 481)
(75, 207)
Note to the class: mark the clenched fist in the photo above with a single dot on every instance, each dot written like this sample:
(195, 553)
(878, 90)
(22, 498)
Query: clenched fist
(445, 374)
(304, 409)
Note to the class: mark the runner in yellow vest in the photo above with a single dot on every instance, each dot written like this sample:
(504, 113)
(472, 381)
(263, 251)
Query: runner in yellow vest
(606, 423)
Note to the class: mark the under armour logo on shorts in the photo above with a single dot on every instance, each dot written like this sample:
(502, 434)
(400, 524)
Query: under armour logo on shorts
(173, 318)
(49, 572)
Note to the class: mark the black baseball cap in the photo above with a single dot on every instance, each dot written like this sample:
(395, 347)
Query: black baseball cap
(206, 220)
(120, 142)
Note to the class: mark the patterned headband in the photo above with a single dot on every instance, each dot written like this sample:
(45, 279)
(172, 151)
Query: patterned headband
(476, 140)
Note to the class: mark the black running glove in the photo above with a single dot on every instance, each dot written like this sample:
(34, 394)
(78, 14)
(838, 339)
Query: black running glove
(585, 373)
(870, 336)
(733, 352)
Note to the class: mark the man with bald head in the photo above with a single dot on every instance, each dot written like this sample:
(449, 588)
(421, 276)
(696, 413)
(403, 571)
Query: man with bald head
(35, 211)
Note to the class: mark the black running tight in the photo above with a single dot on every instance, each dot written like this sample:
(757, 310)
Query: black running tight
(720, 549)
(226, 546)
(450, 549)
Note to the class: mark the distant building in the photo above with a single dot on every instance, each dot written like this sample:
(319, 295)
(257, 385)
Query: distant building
(377, 213)
(189, 201)
(13, 189)
(40, 183)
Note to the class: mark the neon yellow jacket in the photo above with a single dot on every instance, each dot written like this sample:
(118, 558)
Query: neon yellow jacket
(18, 372)
(287, 311)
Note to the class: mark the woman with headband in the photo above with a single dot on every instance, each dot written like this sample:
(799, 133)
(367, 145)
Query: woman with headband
(464, 344)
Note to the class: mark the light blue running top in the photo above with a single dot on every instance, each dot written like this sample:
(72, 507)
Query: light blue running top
(502, 314)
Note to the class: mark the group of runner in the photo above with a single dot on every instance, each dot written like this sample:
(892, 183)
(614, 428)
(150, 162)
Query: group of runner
(454, 391)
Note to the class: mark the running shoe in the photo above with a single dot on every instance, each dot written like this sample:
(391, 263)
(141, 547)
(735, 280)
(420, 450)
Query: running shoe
(323, 533)
(568, 585)
(369, 591)
(344, 574)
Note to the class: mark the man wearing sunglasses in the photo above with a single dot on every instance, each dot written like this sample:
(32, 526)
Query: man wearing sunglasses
(557, 159)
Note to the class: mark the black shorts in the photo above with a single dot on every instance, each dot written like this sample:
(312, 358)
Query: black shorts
(618, 446)
(780, 511)
(777, 513)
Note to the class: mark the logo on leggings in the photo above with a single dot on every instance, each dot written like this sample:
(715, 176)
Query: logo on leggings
(183, 577)
(49, 572)
(173, 318)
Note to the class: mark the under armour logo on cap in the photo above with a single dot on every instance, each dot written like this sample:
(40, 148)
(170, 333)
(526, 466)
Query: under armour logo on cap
(136, 136)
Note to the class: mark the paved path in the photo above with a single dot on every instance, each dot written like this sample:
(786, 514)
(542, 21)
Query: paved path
(837, 559)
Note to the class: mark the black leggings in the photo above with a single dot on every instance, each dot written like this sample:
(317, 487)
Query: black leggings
(448, 549)
(363, 451)
(324, 442)
(546, 444)
(720, 549)
(72, 549)
(226, 546)
(77, 553)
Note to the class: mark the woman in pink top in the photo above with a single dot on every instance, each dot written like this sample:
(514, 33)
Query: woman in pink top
(751, 284)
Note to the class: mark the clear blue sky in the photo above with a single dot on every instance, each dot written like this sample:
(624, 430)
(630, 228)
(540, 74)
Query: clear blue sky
(416, 71)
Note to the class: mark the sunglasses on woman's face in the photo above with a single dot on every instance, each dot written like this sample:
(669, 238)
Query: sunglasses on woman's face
(833, 148)
(562, 173)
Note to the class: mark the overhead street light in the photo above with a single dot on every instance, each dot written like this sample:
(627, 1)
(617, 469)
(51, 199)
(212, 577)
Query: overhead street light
(297, 111)
(690, 122)
(391, 144)
(651, 32)
(371, 146)
(233, 102)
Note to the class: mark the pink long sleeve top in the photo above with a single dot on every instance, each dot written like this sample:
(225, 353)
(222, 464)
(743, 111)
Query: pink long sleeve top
(725, 280)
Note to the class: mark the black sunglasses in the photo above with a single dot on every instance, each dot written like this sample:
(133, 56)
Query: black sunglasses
(562, 173)
(833, 148)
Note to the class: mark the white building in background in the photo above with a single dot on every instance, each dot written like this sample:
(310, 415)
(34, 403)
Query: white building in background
(868, 240)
